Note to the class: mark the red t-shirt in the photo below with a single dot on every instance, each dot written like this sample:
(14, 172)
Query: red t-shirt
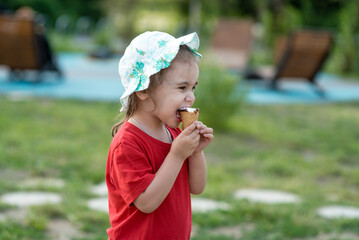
(133, 160)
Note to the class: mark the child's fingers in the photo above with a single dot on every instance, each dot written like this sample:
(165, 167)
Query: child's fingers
(210, 136)
(200, 125)
(206, 131)
(203, 128)
(190, 128)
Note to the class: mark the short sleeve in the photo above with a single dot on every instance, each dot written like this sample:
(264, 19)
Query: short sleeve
(131, 171)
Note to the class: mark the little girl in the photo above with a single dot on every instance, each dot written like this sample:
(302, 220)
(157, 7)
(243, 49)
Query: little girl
(152, 165)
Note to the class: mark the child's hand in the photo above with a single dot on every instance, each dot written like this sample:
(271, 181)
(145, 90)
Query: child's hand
(184, 144)
(206, 136)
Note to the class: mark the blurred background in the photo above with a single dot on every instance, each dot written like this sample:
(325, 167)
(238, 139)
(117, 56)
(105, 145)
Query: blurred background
(279, 83)
(84, 25)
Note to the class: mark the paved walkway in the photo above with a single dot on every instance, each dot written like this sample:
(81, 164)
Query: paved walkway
(91, 79)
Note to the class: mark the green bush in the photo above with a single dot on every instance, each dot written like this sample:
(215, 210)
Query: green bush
(217, 96)
(65, 43)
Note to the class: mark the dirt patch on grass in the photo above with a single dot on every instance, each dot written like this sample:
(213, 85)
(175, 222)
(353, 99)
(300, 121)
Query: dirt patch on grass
(13, 175)
(18, 215)
(234, 232)
(59, 229)
(331, 236)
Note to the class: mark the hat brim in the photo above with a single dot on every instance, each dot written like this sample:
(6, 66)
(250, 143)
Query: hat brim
(191, 41)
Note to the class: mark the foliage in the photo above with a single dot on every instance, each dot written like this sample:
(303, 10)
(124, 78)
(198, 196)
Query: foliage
(277, 17)
(217, 96)
(131, 17)
(347, 43)
(344, 57)
(103, 37)
(281, 23)
(65, 43)
(322, 14)
(55, 8)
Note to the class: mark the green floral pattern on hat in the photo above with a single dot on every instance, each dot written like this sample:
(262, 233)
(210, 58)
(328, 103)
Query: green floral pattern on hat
(142, 53)
(164, 62)
(137, 70)
(162, 43)
(138, 74)
(147, 54)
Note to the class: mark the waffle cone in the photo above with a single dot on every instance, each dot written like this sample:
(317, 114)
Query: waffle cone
(188, 118)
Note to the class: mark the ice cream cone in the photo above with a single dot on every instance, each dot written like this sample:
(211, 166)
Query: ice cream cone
(188, 116)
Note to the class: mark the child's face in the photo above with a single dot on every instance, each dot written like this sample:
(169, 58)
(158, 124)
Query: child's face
(176, 91)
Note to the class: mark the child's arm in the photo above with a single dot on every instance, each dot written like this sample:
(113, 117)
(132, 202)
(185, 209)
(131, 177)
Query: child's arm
(197, 162)
(182, 147)
(197, 171)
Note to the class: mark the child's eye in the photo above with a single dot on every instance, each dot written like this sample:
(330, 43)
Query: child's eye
(182, 88)
(193, 88)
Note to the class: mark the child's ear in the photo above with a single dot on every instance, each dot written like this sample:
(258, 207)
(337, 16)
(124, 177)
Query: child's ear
(142, 95)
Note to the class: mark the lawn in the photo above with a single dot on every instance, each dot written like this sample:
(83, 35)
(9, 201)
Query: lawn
(310, 150)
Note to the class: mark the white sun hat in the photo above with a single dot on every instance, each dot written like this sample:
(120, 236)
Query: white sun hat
(146, 55)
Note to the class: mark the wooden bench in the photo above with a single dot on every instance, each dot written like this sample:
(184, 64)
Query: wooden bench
(19, 49)
(231, 42)
(301, 55)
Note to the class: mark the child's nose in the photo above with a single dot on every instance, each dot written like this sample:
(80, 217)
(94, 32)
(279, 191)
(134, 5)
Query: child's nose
(190, 98)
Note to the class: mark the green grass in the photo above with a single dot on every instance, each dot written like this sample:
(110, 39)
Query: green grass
(308, 150)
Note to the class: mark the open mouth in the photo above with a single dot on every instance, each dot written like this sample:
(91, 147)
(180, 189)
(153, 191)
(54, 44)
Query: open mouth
(178, 115)
(185, 109)
(180, 110)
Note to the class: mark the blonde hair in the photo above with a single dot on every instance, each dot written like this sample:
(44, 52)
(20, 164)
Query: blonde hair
(184, 55)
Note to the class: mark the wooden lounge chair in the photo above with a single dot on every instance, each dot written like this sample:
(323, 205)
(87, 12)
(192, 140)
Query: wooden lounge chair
(231, 42)
(19, 48)
(301, 56)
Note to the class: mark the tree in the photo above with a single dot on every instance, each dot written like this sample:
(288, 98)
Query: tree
(348, 28)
